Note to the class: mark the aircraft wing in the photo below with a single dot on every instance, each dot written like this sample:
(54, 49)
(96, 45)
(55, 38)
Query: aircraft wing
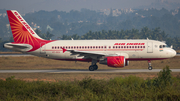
(93, 55)
(87, 54)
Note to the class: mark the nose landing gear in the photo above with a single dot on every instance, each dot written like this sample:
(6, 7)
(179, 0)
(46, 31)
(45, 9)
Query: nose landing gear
(149, 67)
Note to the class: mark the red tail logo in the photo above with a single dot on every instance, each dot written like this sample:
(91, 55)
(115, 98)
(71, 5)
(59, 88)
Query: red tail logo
(22, 32)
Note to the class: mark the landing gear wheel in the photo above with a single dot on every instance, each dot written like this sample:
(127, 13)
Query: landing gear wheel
(150, 67)
(149, 63)
(91, 68)
(95, 67)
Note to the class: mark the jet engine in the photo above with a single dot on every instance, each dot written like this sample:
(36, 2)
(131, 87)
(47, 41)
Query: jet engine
(114, 61)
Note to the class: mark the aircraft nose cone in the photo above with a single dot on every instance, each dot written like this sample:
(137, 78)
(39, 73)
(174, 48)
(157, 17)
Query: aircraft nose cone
(174, 53)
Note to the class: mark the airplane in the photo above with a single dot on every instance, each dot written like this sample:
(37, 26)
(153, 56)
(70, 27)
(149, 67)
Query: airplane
(113, 53)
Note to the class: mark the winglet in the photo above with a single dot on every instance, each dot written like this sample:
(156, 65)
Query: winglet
(64, 50)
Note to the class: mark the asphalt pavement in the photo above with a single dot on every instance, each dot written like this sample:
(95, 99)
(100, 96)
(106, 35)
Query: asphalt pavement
(87, 71)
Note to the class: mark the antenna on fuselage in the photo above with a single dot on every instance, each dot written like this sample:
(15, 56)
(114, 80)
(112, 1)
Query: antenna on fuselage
(72, 39)
(147, 39)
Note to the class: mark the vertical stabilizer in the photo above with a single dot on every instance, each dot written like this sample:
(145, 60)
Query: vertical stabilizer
(22, 32)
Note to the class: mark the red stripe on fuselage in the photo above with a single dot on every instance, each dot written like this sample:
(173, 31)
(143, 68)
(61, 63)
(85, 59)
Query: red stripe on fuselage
(98, 50)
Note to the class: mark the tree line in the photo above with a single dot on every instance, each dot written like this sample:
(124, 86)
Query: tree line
(144, 33)
(80, 22)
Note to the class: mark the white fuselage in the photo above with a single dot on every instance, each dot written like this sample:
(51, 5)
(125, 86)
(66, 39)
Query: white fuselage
(131, 49)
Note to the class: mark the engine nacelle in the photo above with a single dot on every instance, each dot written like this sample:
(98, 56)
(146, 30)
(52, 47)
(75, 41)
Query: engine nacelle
(114, 61)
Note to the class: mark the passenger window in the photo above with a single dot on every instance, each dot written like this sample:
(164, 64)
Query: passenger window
(160, 46)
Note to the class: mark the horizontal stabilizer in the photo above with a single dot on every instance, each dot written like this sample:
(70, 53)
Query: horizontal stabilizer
(18, 47)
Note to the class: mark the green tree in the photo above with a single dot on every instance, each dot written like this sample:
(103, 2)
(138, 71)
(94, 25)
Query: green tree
(48, 35)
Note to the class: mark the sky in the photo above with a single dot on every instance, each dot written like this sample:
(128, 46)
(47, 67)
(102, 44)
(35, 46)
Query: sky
(26, 6)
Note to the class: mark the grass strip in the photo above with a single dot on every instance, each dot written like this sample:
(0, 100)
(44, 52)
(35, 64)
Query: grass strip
(33, 62)
(162, 87)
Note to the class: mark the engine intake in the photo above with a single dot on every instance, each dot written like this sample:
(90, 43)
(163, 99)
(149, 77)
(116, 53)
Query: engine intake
(114, 61)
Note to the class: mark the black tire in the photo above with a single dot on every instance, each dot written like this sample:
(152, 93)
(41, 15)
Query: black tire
(91, 68)
(150, 67)
(95, 67)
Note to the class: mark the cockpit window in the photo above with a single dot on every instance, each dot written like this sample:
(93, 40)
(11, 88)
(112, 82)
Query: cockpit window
(163, 46)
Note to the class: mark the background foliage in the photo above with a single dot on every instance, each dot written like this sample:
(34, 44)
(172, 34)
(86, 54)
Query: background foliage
(85, 23)
(164, 87)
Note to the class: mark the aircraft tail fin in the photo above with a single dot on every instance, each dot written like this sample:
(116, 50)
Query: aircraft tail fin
(22, 32)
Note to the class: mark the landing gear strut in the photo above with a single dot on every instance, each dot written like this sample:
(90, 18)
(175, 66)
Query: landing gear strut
(149, 63)
(93, 66)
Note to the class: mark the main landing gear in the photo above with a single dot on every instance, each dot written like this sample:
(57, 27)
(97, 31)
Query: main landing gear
(149, 63)
(93, 66)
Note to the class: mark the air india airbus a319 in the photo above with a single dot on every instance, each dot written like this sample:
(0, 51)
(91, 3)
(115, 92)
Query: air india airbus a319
(114, 53)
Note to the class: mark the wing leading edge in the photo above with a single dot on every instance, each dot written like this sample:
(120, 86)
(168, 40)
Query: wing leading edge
(92, 55)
